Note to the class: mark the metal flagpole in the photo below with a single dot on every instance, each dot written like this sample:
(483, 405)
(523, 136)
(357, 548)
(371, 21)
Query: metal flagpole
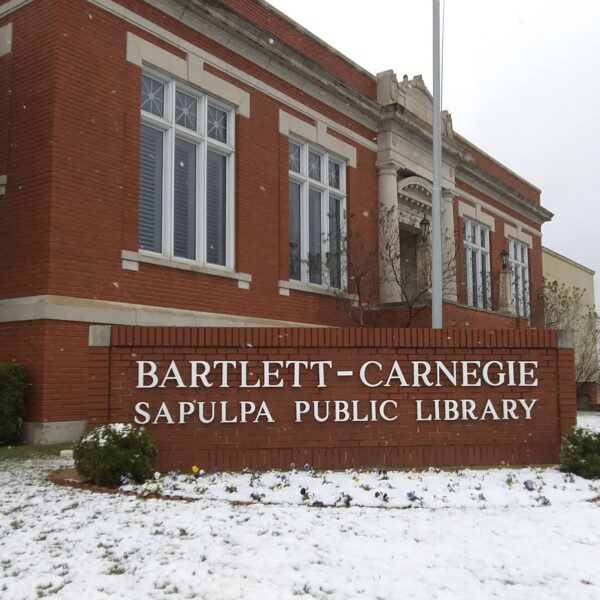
(436, 207)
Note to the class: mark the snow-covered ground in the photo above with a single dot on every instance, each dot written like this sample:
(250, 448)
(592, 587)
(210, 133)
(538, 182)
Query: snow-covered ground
(67, 543)
(589, 420)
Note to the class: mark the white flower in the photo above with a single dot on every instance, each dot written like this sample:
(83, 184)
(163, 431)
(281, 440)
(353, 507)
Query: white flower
(157, 475)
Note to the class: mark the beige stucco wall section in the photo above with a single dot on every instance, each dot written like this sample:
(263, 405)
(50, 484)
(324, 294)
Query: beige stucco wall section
(564, 270)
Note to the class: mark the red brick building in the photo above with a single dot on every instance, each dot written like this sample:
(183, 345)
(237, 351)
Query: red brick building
(212, 163)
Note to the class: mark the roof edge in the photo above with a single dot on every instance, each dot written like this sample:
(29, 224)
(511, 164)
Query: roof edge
(519, 177)
(316, 38)
(568, 260)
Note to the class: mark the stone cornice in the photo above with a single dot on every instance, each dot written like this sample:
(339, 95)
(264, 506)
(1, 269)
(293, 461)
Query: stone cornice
(394, 114)
(396, 119)
(493, 187)
(276, 56)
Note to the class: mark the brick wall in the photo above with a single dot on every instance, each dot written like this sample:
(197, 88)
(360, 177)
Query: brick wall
(91, 145)
(453, 316)
(71, 124)
(26, 146)
(402, 443)
(55, 357)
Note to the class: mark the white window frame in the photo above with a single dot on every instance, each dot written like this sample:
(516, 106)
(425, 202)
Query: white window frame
(306, 183)
(200, 138)
(479, 298)
(518, 260)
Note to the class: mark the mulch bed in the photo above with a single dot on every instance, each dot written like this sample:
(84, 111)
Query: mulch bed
(71, 478)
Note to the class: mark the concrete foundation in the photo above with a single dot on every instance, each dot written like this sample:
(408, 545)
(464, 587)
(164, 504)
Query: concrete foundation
(60, 432)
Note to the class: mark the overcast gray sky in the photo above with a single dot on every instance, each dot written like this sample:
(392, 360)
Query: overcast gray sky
(521, 79)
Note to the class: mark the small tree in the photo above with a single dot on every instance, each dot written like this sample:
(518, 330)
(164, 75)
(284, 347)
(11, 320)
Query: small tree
(356, 268)
(563, 307)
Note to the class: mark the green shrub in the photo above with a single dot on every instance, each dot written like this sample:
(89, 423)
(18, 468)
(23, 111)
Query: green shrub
(12, 402)
(580, 453)
(109, 453)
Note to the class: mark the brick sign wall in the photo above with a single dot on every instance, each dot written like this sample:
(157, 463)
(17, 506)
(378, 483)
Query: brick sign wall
(234, 398)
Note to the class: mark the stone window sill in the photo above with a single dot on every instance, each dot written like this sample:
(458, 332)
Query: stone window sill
(313, 288)
(130, 261)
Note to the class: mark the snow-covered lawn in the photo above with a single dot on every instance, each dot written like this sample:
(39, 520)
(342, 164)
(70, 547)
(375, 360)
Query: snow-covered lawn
(589, 420)
(67, 543)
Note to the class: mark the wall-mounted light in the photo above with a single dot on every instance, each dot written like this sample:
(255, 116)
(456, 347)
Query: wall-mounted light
(424, 225)
(504, 259)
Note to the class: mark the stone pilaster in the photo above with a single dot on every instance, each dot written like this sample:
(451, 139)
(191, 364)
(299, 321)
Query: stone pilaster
(449, 255)
(389, 248)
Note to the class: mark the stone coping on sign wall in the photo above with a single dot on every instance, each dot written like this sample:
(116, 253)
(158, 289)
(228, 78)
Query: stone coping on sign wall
(364, 337)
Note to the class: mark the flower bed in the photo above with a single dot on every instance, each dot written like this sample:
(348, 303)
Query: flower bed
(431, 489)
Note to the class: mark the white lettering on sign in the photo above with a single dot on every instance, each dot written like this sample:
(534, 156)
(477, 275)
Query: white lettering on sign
(277, 374)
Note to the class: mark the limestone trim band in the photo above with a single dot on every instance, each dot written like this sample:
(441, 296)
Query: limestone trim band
(85, 310)
(11, 6)
(6, 39)
(479, 204)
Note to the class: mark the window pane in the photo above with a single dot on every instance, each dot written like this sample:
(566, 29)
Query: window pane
(151, 184)
(526, 292)
(295, 271)
(518, 290)
(153, 96)
(217, 124)
(484, 280)
(314, 236)
(294, 157)
(467, 277)
(314, 165)
(474, 286)
(334, 175)
(216, 206)
(335, 248)
(184, 200)
(186, 110)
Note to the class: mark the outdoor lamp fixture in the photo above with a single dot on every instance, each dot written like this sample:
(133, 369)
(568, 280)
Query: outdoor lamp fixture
(504, 259)
(424, 226)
